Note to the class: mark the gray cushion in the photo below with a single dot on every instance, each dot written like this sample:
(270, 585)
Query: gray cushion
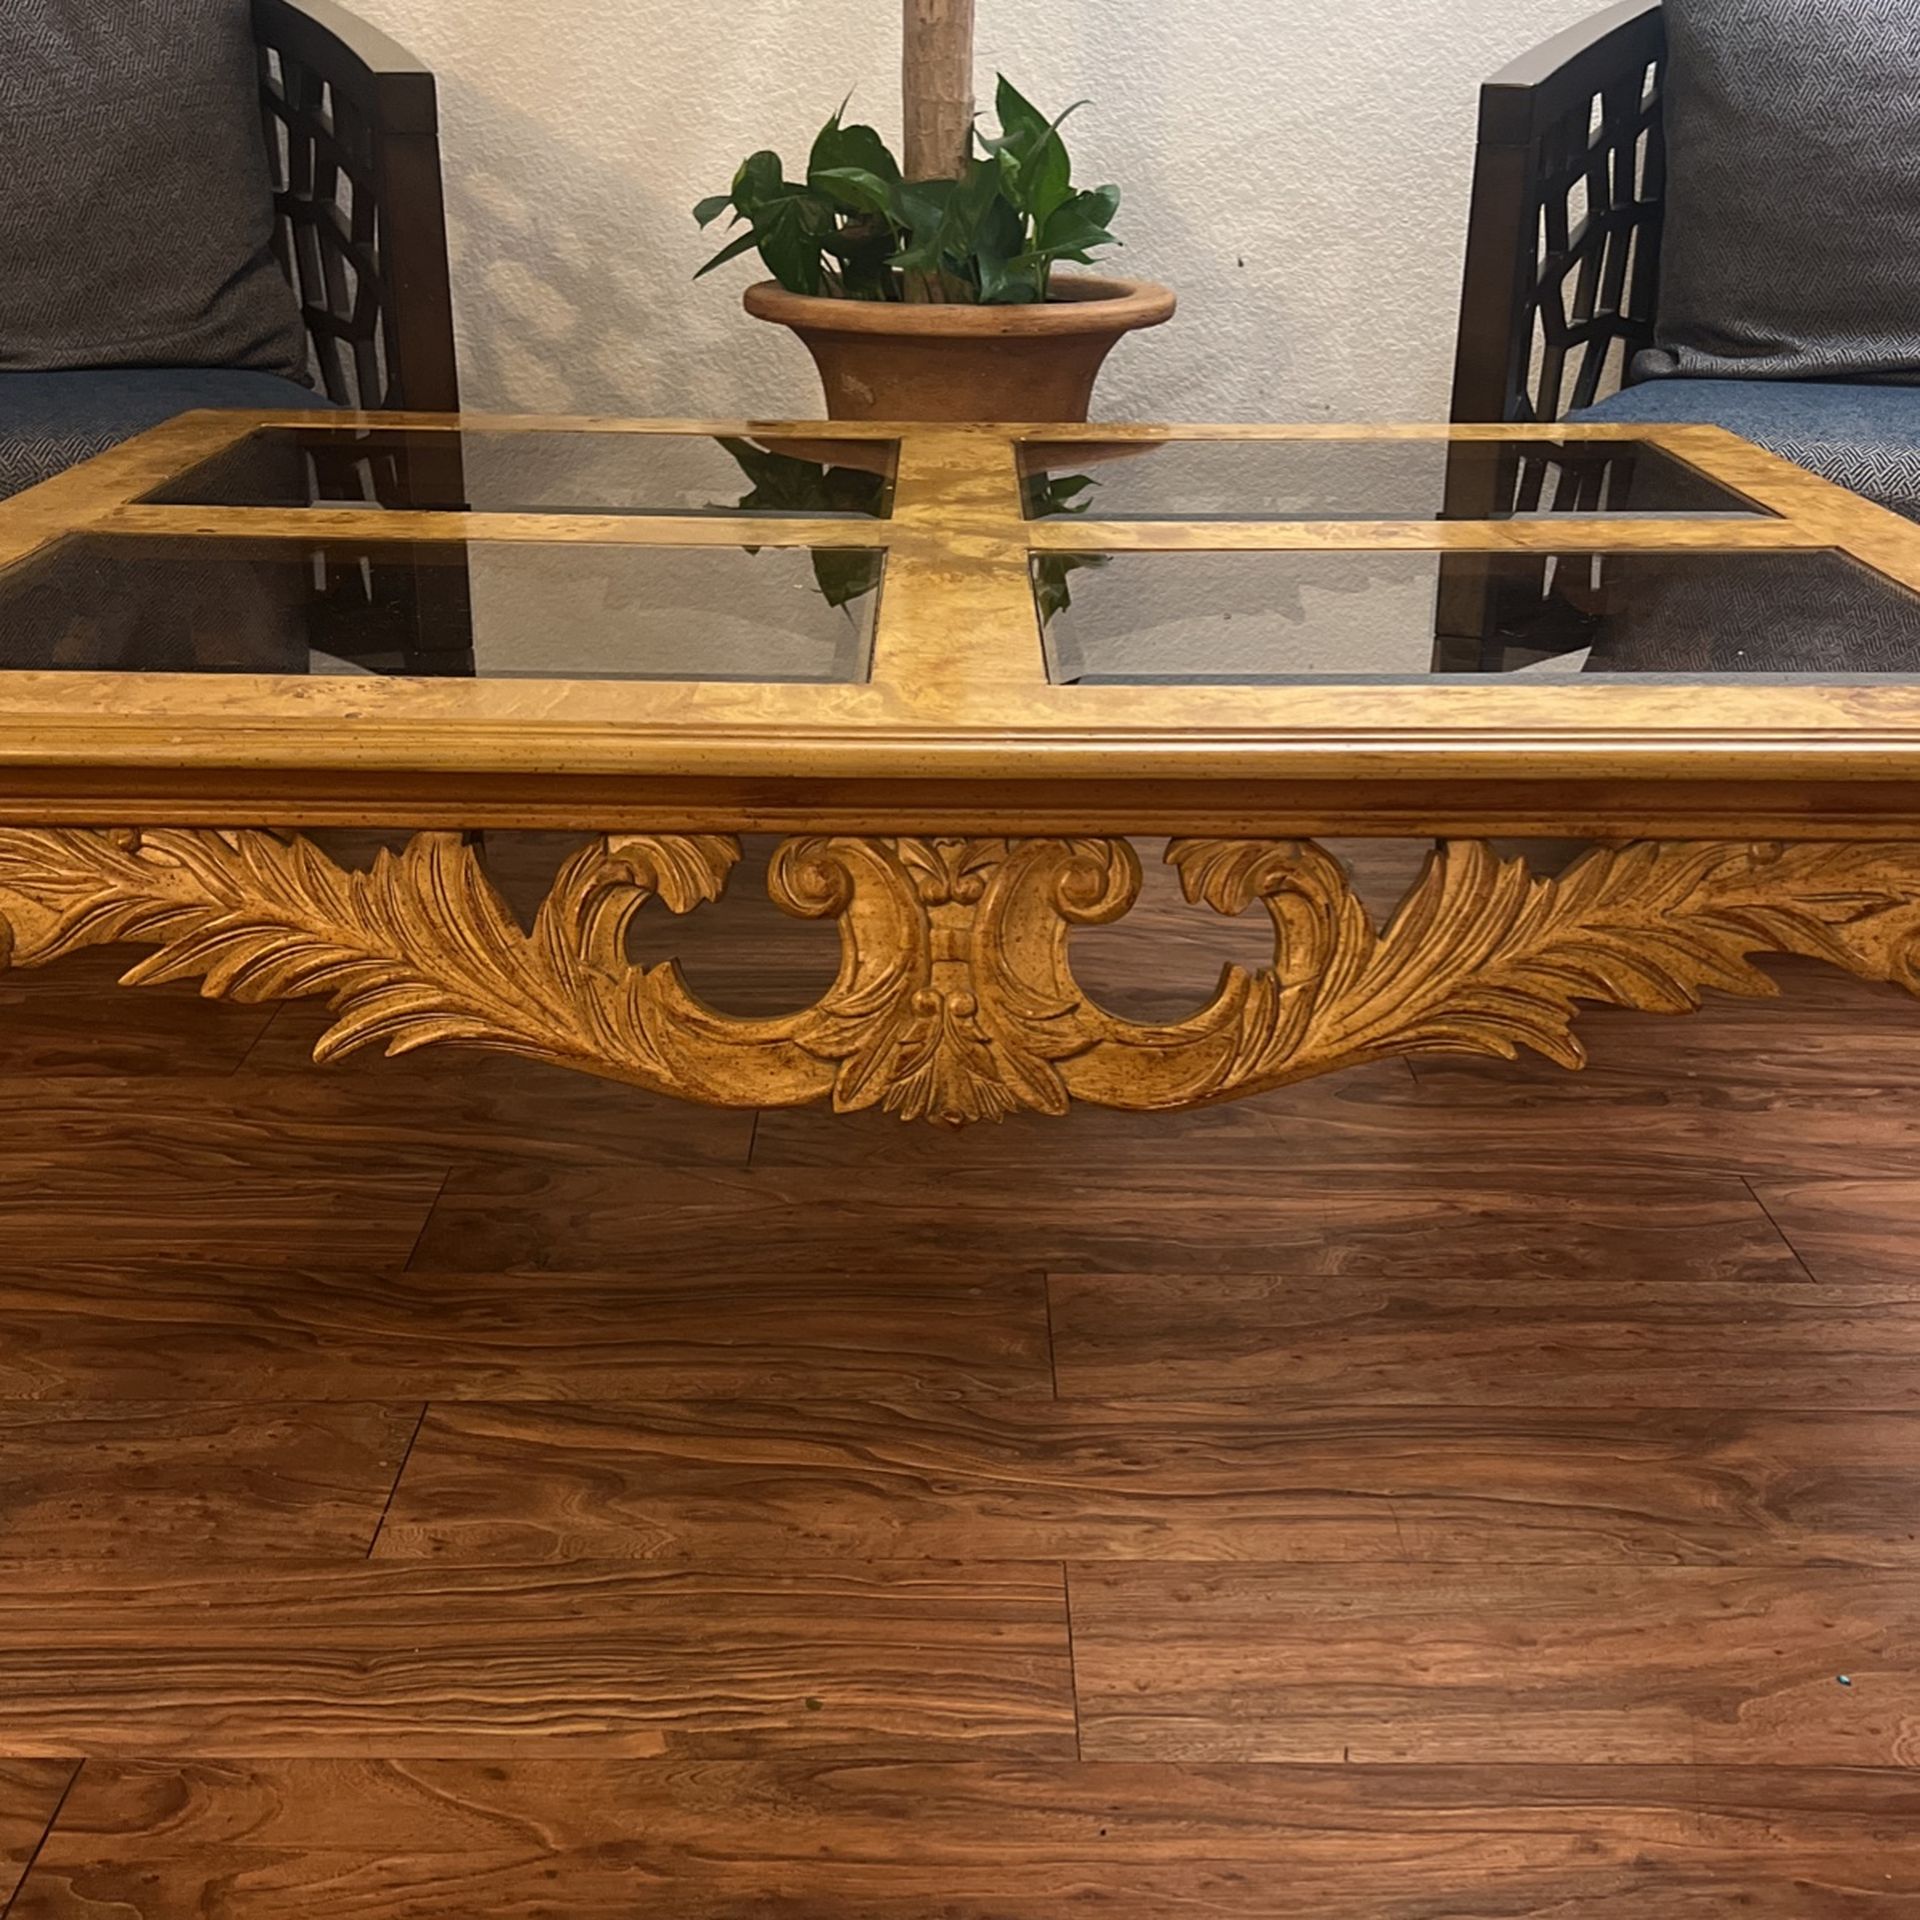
(52, 421)
(1865, 438)
(137, 217)
(1793, 203)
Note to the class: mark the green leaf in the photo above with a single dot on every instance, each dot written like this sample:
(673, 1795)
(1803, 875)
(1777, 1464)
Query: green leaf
(1022, 125)
(854, 188)
(790, 233)
(825, 143)
(1046, 181)
(1012, 283)
(921, 209)
(1035, 171)
(860, 148)
(977, 207)
(854, 226)
(731, 251)
(1031, 146)
(761, 178)
(1078, 227)
(921, 205)
(864, 249)
(999, 242)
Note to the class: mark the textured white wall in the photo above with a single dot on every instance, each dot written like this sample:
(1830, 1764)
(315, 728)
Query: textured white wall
(1297, 168)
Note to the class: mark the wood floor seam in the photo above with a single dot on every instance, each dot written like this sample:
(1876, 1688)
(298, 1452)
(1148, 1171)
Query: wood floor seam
(413, 1440)
(1759, 1200)
(53, 1820)
(426, 1222)
(1053, 1350)
(1073, 1671)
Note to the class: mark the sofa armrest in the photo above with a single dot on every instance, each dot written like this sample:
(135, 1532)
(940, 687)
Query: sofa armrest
(352, 125)
(1563, 243)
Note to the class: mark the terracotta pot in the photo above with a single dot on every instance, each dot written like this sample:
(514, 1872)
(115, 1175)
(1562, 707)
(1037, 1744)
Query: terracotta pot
(882, 360)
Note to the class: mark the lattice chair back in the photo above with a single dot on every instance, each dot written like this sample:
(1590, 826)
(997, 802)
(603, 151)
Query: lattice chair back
(352, 138)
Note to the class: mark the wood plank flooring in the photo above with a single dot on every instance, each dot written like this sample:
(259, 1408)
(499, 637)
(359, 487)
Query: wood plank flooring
(445, 1489)
(1621, 1665)
(346, 1657)
(892, 1840)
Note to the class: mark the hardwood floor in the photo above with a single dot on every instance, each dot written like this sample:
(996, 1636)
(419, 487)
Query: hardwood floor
(893, 1840)
(1139, 1480)
(445, 1489)
(194, 1479)
(304, 1333)
(348, 1657)
(1620, 1665)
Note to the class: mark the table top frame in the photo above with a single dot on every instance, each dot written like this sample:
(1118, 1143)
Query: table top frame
(958, 728)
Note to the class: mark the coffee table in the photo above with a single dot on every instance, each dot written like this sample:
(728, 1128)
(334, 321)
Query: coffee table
(959, 671)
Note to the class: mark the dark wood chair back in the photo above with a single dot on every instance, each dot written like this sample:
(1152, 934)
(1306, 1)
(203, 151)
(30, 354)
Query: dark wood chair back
(352, 124)
(1563, 243)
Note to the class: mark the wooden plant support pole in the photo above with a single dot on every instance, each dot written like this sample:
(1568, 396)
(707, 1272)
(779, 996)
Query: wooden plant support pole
(937, 75)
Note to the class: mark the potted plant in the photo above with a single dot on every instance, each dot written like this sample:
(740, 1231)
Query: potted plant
(929, 288)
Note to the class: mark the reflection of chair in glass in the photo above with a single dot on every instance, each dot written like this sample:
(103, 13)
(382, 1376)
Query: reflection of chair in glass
(1501, 611)
(1800, 613)
(394, 609)
(390, 608)
(144, 606)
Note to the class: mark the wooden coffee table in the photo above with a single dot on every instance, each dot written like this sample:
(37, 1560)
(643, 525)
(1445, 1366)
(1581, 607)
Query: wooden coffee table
(960, 671)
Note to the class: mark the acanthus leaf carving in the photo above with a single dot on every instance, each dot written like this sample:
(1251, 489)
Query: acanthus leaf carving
(1484, 956)
(955, 998)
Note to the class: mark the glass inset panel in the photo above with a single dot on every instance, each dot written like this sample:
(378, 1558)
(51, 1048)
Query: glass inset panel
(1339, 615)
(501, 470)
(1367, 480)
(499, 610)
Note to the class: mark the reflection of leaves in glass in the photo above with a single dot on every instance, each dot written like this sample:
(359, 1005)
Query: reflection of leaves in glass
(782, 484)
(1049, 496)
(811, 489)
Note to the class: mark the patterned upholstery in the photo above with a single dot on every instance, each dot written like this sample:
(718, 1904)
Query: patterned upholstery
(1866, 438)
(1792, 245)
(52, 421)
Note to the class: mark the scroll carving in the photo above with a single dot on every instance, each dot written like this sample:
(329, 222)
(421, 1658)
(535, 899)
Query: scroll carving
(955, 999)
